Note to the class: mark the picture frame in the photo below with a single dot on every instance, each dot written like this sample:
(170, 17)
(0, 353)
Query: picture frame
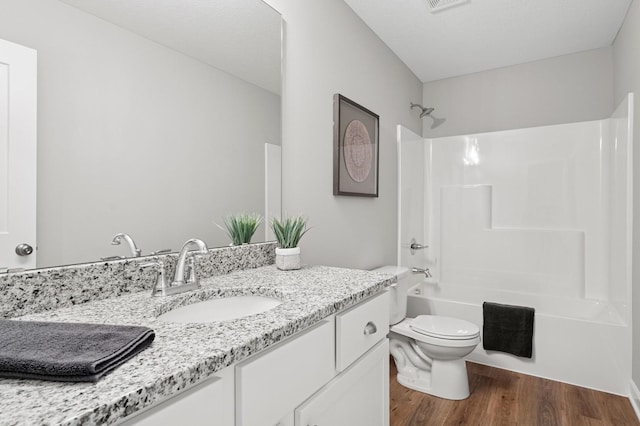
(356, 147)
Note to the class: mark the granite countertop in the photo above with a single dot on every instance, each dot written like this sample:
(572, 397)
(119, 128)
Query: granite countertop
(183, 354)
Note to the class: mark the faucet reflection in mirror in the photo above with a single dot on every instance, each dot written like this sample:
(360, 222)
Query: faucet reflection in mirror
(185, 266)
(117, 240)
(133, 248)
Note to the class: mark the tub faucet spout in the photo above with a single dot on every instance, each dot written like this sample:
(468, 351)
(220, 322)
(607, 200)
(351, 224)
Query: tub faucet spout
(424, 271)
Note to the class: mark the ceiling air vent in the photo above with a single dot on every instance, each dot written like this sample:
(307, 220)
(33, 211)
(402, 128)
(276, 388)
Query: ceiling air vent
(438, 5)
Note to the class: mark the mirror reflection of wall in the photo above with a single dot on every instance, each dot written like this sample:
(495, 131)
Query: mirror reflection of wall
(140, 138)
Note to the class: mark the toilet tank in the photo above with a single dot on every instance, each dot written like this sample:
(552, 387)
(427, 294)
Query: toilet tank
(398, 292)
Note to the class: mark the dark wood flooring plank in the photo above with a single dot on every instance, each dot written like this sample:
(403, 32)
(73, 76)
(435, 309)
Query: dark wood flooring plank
(501, 397)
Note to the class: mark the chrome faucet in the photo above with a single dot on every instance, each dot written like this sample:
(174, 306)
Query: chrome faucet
(424, 271)
(117, 240)
(178, 278)
(184, 266)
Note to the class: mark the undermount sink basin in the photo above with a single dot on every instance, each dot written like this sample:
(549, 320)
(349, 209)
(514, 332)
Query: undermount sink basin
(227, 308)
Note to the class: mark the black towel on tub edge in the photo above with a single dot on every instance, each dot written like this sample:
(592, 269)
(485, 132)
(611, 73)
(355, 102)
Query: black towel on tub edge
(508, 328)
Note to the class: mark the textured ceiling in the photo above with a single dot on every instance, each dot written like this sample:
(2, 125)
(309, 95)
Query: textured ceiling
(241, 37)
(485, 34)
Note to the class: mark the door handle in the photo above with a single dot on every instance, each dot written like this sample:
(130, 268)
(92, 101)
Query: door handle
(24, 249)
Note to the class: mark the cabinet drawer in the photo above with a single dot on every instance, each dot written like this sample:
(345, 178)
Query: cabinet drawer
(360, 328)
(274, 382)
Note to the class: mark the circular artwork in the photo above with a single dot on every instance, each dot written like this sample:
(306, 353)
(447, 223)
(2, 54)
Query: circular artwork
(358, 151)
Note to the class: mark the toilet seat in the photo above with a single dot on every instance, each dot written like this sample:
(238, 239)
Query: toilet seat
(444, 327)
(404, 328)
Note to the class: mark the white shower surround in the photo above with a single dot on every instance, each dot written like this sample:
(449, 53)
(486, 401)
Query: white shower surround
(536, 217)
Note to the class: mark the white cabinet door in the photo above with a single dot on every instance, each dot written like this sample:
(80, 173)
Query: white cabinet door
(272, 383)
(18, 93)
(359, 396)
(209, 403)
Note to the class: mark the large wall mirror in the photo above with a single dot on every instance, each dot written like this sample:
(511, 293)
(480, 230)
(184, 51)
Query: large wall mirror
(152, 119)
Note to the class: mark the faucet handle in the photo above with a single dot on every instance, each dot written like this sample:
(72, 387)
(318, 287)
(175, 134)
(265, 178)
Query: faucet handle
(160, 285)
(190, 272)
(163, 251)
(415, 246)
(107, 258)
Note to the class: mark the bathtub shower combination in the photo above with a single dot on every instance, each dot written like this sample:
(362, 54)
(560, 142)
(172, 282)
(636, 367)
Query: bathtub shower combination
(537, 217)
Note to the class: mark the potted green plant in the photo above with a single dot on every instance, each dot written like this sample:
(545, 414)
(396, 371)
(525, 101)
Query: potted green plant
(241, 227)
(288, 233)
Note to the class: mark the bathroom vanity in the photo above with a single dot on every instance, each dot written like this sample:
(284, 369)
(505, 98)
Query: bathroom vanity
(318, 358)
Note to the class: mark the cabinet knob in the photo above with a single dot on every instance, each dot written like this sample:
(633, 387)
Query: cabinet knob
(370, 328)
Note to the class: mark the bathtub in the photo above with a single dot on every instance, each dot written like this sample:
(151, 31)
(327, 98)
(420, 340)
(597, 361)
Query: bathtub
(578, 341)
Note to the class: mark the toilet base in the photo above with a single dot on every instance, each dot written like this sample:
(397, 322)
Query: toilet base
(447, 379)
(430, 364)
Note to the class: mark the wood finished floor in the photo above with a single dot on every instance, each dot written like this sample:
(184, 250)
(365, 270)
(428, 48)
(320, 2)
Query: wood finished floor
(501, 397)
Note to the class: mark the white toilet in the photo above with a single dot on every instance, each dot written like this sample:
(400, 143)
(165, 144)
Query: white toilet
(428, 350)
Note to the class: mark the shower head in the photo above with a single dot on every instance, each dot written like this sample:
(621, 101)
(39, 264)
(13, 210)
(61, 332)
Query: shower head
(425, 111)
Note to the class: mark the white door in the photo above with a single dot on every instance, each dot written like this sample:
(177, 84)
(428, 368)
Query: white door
(18, 86)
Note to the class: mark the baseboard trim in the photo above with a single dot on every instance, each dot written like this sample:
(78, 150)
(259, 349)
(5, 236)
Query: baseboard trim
(634, 397)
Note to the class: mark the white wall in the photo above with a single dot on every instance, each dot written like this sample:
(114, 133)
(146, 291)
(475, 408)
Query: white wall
(559, 90)
(627, 79)
(329, 50)
(134, 137)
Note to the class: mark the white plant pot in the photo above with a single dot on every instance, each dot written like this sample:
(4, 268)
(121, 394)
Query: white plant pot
(288, 258)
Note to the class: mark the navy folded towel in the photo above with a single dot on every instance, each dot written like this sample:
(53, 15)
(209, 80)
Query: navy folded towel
(68, 352)
(508, 329)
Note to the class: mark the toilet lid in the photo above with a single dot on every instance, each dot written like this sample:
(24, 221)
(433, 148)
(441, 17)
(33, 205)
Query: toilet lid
(444, 327)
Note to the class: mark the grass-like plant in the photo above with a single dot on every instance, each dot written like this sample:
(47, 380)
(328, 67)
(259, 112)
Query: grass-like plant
(241, 227)
(289, 230)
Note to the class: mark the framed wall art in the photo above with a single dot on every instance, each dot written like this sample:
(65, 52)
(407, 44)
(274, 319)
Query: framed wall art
(355, 149)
